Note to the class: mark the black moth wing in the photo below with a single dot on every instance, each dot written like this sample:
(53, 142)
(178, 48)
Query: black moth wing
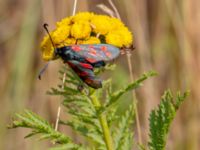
(85, 72)
(96, 52)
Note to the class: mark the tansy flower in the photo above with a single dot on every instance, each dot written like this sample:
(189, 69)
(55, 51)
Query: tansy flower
(68, 42)
(47, 49)
(127, 36)
(101, 24)
(81, 30)
(120, 38)
(114, 38)
(116, 23)
(83, 16)
(86, 28)
(90, 40)
(64, 22)
(60, 34)
(44, 41)
(48, 53)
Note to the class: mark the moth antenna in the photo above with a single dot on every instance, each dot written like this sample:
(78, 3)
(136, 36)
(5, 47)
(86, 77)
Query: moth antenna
(47, 64)
(43, 70)
(46, 29)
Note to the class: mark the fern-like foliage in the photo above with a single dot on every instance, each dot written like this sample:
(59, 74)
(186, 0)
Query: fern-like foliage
(114, 97)
(28, 119)
(122, 134)
(161, 118)
(88, 115)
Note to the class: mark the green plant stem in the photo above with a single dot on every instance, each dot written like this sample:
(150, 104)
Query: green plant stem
(130, 67)
(104, 125)
(128, 54)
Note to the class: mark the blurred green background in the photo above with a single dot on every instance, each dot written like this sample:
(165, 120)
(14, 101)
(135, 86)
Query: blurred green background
(166, 37)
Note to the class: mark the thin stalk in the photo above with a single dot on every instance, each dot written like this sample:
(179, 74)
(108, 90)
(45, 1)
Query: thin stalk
(128, 55)
(64, 75)
(57, 118)
(130, 67)
(104, 125)
(115, 9)
(59, 108)
(74, 7)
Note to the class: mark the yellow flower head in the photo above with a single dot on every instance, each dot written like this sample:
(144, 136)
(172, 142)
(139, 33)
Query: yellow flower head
(127, 37)
(90, 40)
(86, 28)
(120, 38)
(101, 24)
(60, 34)
(64, 22)
(83, 16)
(81, 30)
(48, 54)
(47, 49)
(68, 42)
(116, 24)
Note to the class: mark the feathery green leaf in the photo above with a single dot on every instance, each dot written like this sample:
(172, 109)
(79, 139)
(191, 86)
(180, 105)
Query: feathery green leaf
(161, 118)
(116, 95)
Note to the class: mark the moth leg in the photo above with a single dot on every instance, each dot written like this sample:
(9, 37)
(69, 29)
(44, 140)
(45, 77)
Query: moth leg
(80, 87)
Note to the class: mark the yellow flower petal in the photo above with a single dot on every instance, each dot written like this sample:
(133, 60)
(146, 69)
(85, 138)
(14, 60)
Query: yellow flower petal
(101, 24)
(91, 40)
(127, 37)
(116, 23)
(120, 38)
(48, 54)
(60, 34)
(47, 49)
(69, 41)
(64, 22)
(82, 16)
(114, 38)
(44, 41)
(81, 30)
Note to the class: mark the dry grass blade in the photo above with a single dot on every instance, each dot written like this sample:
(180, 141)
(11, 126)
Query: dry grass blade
(106, 9)
(64, 75)
(128, 54)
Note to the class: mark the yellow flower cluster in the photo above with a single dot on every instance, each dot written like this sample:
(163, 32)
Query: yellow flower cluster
(86, 28)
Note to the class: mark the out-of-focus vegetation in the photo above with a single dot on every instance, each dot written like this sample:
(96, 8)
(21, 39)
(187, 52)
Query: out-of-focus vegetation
(93, 115)
(166, 37)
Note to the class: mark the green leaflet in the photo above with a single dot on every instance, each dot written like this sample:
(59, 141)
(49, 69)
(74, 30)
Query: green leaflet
(114, 97)
(123, 135)
(38, 125)
(95, 120)
(69, 146)
(161, 118)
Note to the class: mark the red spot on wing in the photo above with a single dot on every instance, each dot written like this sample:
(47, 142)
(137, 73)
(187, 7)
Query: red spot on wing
(76, 48)
(91, 46)
(92, 51)
(108, 54)
(88, 66)
(104, 48)
(82, 73)
(71, 64)
(91, 60)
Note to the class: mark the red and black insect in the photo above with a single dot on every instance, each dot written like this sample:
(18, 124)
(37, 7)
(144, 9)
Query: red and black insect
(85, 57)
